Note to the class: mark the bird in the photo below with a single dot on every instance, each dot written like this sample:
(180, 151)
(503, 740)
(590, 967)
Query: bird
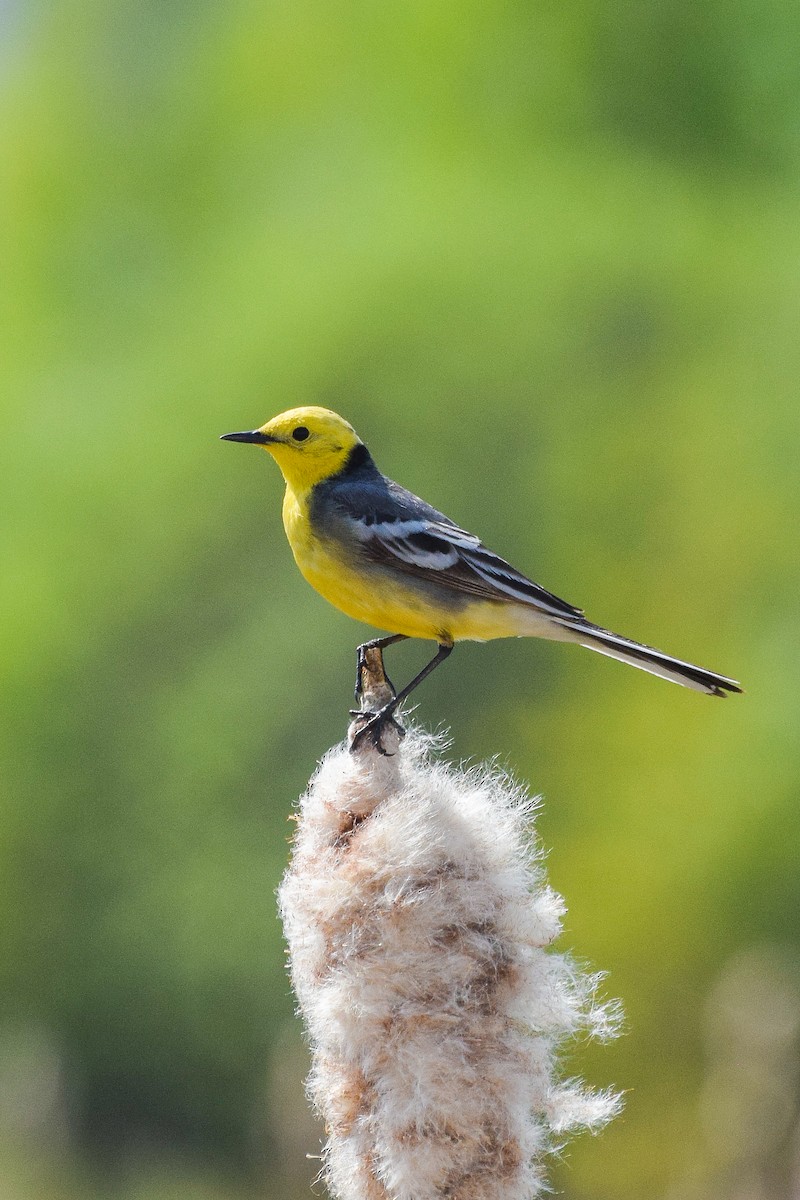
(387, 558)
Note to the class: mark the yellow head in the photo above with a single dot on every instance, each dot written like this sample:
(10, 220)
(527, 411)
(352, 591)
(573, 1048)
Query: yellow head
(308, 444)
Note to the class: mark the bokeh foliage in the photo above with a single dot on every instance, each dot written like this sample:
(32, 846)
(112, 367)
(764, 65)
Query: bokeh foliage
(545, 258)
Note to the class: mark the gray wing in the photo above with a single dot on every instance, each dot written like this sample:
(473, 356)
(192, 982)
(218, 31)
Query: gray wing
(399, 530)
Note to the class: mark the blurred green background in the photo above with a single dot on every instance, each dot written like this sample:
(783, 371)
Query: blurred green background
(546, 259)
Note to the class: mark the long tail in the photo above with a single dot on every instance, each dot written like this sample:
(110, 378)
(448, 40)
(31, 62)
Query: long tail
(594, 637)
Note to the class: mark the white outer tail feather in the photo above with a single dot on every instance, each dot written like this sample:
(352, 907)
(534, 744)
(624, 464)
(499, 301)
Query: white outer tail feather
(646, 658)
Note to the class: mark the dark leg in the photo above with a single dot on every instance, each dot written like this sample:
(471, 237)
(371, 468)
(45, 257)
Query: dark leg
(439, 657)
(378, 644)
(374, 723)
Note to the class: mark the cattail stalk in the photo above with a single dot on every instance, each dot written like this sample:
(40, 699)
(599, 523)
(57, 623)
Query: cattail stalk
(418, 921)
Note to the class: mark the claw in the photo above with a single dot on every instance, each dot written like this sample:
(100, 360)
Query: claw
(374, 726)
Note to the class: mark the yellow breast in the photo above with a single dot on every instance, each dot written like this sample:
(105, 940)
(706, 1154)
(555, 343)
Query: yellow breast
(361, 591)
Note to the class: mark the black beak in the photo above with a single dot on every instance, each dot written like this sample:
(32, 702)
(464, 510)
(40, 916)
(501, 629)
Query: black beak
(253, 435)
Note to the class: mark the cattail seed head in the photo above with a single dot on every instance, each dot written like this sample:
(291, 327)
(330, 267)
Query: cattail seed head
(418, 921)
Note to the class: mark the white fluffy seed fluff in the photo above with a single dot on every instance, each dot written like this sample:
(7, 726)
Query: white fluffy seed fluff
(418, 921)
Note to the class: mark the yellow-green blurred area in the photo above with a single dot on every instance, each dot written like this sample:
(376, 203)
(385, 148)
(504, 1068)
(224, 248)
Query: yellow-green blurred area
(546, 259)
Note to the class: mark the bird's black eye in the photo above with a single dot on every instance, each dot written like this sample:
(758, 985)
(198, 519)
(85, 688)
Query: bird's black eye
(300, 434)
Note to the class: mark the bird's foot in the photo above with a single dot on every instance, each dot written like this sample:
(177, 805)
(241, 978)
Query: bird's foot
(375, 728)
(374, 721)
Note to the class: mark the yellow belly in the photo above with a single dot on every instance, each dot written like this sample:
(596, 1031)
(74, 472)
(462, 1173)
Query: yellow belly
(367, 594)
